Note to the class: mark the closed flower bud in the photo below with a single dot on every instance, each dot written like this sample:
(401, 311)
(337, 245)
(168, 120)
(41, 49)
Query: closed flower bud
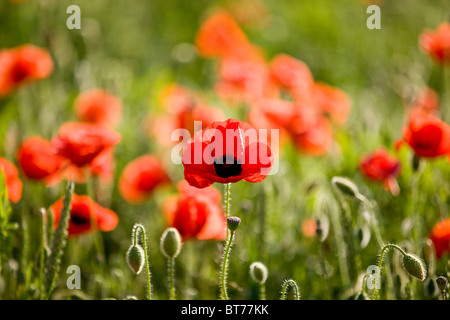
(345, 187)
(135, 258)
(233, 223)
(441, 282)
(258, 271)
(414, 266)
(171, 243)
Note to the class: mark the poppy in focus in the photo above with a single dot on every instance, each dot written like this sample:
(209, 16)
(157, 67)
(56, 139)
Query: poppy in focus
(82, 142)
(380, 166)
(226, 151)
(440, 235)
(38, 161)
(196, 213)
(21, 65)
(140, 177)
(84, 210)
(13, 184)
(98, 106)
(437, 43)
(427, 135)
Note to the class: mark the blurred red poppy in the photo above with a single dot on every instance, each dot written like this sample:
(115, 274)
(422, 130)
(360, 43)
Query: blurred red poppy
(220, 36)
(315, 140)
(84, 209)
(196, 213)
(331, 101)
(291, 74)
(13, 184)
(82, 142)
(380, 166)
(21, 65)
(309, 227)
(427, 135)
(140, 177)
(98, 106)
(226, 151)
(440, 235)
(38, 161)
(437, 43)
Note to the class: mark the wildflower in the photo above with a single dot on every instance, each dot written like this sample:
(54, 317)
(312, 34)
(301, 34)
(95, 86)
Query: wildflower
(226, 151)
(331, 101)
(440, 235)
(98, 106)
(13, 184)
(436, 43)
(22, 65)
(84, 210)
(380, 166)
(427, 135)
(38, 162)
(140, 177)
(82, 142)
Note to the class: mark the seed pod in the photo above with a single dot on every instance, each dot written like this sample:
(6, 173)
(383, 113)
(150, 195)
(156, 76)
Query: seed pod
(441, 282)
(345, 187)
(171, 243)
(414, 266)
(258, 272)
(135, 258)
(233, 223)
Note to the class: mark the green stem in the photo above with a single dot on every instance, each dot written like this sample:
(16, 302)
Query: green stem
(377, 275)
(376, 230)
(262, 291)
(288, 283)
(171, 268)
(227, 199)
(324, 270)
(223, 293)
(42, 257)
(59, 241)
(140, 227)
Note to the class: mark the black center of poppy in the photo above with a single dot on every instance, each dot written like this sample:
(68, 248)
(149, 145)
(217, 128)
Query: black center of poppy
(227, 168)
(78, 220)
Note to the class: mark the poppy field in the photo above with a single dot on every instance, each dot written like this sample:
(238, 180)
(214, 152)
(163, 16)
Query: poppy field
(228, 150)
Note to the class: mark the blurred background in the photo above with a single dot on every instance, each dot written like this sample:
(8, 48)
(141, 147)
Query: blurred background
(135, 48)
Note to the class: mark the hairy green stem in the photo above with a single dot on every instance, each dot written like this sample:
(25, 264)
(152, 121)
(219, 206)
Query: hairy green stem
(171, 269)
(136, 228)
(223, 275)
(59, 241)
(42, 253)
(380, 262)
(262, 291)
(286, 285)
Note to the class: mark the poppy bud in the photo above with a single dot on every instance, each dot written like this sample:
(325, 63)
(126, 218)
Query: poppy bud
(233, 223)
(171, 243)
(414, 266)
(135, 258)
(345, 187)
(441, 282)
(258, 272)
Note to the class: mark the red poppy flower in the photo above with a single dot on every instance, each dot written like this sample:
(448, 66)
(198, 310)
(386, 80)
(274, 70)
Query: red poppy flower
(82, 142)
(332, 101)
(98, 106)
(427, 135)
(196, 213)
(21, 65)
(380, 166)
(226, 151)
(220, 36)
(12, 181)
(440, 235)
(291, 74)
(140, 177)
(37, 160)
(84, 209)
(437, 43)
(317, 139)
(309, 227)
